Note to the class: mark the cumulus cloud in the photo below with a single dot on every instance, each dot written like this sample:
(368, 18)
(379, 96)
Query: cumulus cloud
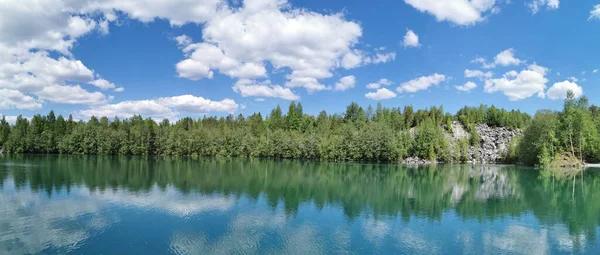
(381, 94)
(558, 91)
(356, 58)
(38, 74)
(249, 88)
(411, 39)
(177, 12)
(165, 107)
(507, 58)
(460, 12)
(595, 13)
(478, 74)
(239, 42)
(422, 83)
(10, 99)
(183, 41)
(36, 39)
(192, 104)
(467, 87)
(380, 58)
(70, 95)
(103, 84)
(479, 60)
(127, 109)
(536, 5)
(345, 83)
(352, 59)
(206, 57)
(504, 58)
(520, 85)
(378, 84)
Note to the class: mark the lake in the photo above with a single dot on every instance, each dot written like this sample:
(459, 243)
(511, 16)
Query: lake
(137, 205)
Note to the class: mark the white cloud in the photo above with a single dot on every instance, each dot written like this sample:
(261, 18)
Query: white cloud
(595, 13)
(352, 59)
(518, 86)
(36, 73)
(119, 89)
(206, 57)
(536, 5)
(10, 99)
(558, 91)
(103, 84)
(467, 87)
(478, 74)
(70, 95)
(378, 84)
(249, 88)
(479, 60)
(127, 109)
(381, 58)
(183, 41)
(240, 41)
(411, 39)
(595, 71)
(381, 94)
(460, 12)
(356, 58)
(32, 31)
(573, 79)
(192, 104)
(177, 12)
(507, 58)
(30, 72)
(165, 107)
(345, 83)
(421, 83)
(259, 99)
(504, 58)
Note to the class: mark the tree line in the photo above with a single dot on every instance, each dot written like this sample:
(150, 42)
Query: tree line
(378, 134)
(381, 134)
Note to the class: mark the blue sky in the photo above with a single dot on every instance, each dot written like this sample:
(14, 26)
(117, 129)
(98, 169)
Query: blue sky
(171, 59)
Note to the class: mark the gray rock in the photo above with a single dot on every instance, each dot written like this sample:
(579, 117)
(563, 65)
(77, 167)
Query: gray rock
(493, 143)
(458, 131)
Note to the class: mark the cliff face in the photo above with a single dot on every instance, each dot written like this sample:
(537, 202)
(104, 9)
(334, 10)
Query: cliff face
(493, 144)
(493, 141)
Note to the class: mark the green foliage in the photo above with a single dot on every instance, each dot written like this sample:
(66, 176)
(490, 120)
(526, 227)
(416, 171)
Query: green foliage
(493, 117)
(574, 131)
(377, 135)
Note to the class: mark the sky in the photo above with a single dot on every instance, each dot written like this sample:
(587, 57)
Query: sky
(180, 58)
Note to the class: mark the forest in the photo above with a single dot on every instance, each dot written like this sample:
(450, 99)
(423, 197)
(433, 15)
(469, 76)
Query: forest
(378, 134)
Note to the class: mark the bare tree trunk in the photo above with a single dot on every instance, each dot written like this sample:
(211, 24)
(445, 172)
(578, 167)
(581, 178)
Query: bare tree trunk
(580, 148)
(571, 139)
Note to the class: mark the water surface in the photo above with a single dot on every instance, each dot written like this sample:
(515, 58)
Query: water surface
(135, 205)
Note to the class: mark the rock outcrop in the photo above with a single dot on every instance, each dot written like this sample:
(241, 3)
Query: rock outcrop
(493, 143)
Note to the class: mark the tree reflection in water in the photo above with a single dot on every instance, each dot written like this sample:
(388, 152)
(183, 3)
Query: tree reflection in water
(474, 193)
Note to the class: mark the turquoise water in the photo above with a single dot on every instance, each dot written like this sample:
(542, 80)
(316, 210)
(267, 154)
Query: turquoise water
(133, 205)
